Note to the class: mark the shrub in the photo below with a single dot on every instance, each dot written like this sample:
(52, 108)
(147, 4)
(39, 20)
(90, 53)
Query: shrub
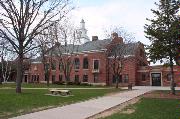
(58, 82)
(85, 84)
(70, 83)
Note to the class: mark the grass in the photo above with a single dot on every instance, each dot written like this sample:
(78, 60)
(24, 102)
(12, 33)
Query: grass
(40, 85)
(149, 108)
(12, 104)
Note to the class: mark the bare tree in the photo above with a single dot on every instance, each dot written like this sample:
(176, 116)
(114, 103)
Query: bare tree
(7, 56)
(45, 41)
(57, 45)
(117, 55)
(22, 20)
(121, 31)
(117, 51)
(66, 51)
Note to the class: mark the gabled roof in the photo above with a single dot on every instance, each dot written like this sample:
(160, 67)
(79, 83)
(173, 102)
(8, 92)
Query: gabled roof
(89, 46)
(98, 45)
(124, 49)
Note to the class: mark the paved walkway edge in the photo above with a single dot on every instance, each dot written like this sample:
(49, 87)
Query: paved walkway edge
(83, 110)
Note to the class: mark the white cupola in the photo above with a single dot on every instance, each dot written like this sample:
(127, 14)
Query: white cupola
(82, 33)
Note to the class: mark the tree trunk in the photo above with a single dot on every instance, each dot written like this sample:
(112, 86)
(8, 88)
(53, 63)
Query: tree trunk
(117, 81)
(107, 69)
(47, 78)
(19, 73)
(172, 77)
(67, 79)
(0, 81)
(46, 70)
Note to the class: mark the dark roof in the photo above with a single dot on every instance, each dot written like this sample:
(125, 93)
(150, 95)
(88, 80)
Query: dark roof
(122, 49)
(94, 45)
(89, 46)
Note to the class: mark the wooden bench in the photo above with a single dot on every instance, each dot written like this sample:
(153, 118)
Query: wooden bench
(60, 92)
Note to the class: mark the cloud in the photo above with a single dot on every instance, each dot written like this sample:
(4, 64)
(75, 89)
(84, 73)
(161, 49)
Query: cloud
(130, 15)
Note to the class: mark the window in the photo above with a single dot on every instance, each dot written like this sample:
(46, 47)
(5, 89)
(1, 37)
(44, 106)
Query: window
(119, 79)
(46, 76)
(143, 78)
(85, 63)
(37, 78)
(60, 78)
(76, 78)
(47, 66)
(168, 77)
(25, 78)
(53, 66)
(76, 63)
(85, 78)
(96, 64)
(126, 78)
(32, 78)
(60, 67)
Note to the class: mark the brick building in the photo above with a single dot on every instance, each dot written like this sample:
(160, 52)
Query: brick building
(91, 65)
(91, 62)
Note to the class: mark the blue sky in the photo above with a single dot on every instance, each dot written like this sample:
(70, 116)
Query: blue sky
(101, 14)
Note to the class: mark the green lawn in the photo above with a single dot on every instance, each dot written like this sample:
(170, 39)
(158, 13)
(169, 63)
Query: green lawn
(12, 104)
(40, 85)
(149, 108)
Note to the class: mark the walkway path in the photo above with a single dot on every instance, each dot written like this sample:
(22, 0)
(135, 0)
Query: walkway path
(3, 88)
(85, 109)
(152, 88)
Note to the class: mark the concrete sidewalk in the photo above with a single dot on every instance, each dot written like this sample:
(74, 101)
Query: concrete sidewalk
(85, 109)
(3, 88)
(152, 88)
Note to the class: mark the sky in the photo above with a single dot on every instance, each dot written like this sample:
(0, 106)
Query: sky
(101, 14)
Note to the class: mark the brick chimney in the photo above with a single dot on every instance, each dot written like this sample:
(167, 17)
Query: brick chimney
(116, 39)
(94, 38)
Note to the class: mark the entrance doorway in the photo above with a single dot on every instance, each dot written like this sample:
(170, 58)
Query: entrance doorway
(156, 79)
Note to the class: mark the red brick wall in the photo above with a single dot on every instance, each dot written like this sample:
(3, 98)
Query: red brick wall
(157, 69)
(91, 56)
(131, 67)
(36, 69)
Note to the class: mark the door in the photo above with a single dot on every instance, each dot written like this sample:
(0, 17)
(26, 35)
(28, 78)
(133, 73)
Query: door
(156, 79)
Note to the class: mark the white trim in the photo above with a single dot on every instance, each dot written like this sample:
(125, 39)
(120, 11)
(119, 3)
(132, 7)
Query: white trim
(125, 56)
(151, 78)
(92, 51)
(168, 70)
(84, 52)
(142, 71)
(36, 62)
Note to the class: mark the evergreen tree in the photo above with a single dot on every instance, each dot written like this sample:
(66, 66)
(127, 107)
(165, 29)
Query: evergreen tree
(163, 32)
